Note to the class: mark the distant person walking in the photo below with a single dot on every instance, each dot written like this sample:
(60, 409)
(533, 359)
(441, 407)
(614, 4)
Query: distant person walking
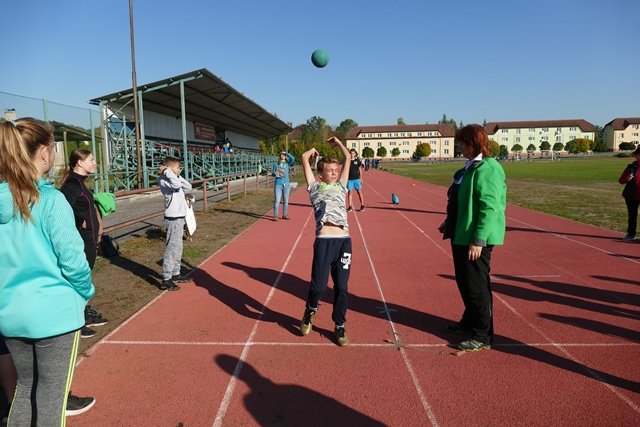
(46, 275)
(475, 223)
(355, 180)
(281, 170)
(630, 178)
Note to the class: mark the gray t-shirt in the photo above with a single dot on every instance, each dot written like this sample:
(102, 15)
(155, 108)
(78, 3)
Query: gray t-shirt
(328, 202)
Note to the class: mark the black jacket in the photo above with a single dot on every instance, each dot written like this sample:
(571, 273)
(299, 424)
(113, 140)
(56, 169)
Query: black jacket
(84, 210)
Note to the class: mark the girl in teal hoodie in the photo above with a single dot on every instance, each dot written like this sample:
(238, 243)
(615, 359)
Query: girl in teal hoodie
(45, 281)
(282, 187)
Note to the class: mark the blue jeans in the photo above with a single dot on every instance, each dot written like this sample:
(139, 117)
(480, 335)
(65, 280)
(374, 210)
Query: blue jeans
(281, 192)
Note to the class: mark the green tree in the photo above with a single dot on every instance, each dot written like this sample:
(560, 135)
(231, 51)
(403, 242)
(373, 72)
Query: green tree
(381, 152)
(422, 150)
(495, 148)
(558, 146)
(545, 146)
(367, 152)
(531, 147)
(315, 131)
(504, 151)
(625, 146)
(395, 152)
(344, 127)
(516, 148)
(400, 121)
(578, 145)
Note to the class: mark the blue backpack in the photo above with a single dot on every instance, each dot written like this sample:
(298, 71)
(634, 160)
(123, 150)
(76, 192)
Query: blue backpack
(394, 199)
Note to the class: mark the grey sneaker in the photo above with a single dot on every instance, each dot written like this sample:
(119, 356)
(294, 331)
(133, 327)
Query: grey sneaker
(473, 345)
(306, 323)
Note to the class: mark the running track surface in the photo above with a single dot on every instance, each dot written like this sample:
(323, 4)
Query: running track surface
(225, 350)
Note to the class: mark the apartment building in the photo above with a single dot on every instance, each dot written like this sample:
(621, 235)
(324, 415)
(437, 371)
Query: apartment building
(403, 137)
(536, 132)
(621, 130)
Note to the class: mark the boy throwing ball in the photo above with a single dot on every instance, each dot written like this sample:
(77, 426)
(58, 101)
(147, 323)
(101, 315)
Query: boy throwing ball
(332, 246)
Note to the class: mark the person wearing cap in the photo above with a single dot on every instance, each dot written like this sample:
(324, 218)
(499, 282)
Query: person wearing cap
(282, 187)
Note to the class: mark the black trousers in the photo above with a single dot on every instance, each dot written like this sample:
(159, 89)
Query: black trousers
(632, 210)
(331, 256)
(472, 278)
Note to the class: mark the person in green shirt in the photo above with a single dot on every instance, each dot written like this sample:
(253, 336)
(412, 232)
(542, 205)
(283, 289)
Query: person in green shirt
(475, 223)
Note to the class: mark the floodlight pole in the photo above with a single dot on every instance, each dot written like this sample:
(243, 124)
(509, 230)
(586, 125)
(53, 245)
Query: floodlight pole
(136, 116)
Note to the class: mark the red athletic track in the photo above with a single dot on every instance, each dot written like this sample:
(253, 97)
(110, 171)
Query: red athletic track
(225, 350)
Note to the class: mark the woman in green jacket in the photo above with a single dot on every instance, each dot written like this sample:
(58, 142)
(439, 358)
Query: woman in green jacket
(475, 223)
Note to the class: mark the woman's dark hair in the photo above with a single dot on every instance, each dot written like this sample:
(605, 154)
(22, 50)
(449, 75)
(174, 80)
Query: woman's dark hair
(475, 137)
(74, 157)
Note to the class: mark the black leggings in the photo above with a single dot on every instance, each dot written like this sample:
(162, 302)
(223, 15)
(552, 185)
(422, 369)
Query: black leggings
(632, 210)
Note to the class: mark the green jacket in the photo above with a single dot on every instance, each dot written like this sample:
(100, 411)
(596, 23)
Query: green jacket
(106, 203)
(482, 199)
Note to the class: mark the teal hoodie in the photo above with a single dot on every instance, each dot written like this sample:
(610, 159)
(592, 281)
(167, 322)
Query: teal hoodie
(281, 169)
(45, 280)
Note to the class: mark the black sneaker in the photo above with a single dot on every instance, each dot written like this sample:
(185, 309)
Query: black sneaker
(341, 336)
(180, 278)
(473, 345)
(305, 324)
(93, 318)
(77, 405)
(87, 332)
(168, 285)
(361, 208)
(349, 209)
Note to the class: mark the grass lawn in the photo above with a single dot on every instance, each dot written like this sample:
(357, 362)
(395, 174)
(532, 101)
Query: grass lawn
(584, 189)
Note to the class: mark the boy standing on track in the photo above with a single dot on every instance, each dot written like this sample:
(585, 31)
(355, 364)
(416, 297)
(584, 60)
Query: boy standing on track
(173, 186)
(332, 246)
(355, 180)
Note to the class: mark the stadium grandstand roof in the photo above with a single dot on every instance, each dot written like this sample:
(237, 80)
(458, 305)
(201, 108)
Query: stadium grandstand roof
(208, 100)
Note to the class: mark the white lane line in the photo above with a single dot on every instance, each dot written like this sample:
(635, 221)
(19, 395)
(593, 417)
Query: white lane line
(593, 374)
(382, 345)
(407, 362)
(224, 405)
(562, 236)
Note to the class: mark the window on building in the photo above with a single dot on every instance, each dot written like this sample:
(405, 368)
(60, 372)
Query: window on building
(505, 130)
(532, 138)
(379, 135)
(419, 133)
(573, 129)
(366, 144)
(405, 151)
(558, 139)
(392, 143)
(434, 151)
(505, 138)
(446, 142)
(558, 129)
(517, 139)
(405, 142)
(446, 151)
(353, 145)
(517, 130)
(545, 129)
(379, 144)
(532, 129)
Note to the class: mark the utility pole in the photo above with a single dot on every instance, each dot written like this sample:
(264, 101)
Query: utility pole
(136, 114)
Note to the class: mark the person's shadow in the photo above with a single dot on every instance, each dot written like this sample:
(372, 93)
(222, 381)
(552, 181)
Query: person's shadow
(430, 324)
(271, 403)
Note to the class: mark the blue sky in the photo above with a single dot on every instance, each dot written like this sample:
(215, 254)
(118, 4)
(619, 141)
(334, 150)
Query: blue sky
(473, 60)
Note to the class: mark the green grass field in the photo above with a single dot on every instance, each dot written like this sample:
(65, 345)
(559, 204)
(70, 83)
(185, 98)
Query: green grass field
(584, 189)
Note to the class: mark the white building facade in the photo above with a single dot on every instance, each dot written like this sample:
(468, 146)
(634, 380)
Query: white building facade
(403, 137)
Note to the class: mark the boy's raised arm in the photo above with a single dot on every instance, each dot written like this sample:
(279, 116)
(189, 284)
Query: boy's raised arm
(308, 171)
(346, 163)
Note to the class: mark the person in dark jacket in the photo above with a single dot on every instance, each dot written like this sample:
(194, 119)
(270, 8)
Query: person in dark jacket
(630, 178)
(475, 223)
(88, 221)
